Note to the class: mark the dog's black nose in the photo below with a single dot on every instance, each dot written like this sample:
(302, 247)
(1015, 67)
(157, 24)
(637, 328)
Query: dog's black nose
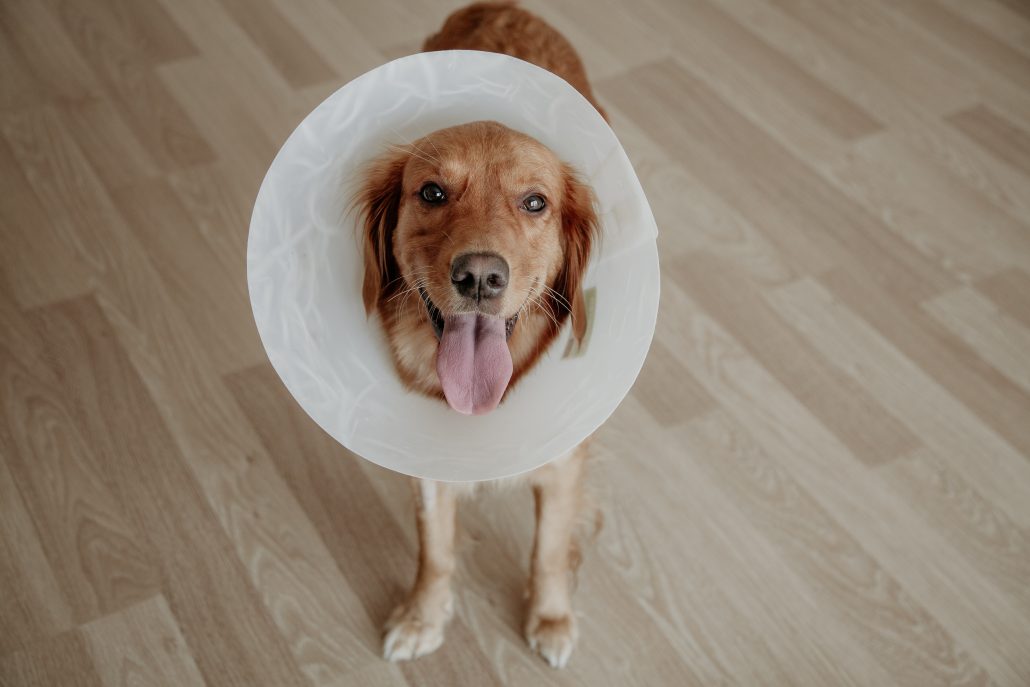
(479, 275)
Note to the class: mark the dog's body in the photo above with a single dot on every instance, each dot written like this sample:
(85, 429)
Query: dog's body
(476, 238)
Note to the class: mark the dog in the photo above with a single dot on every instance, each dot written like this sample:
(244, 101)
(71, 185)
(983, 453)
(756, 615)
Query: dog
(476, 239)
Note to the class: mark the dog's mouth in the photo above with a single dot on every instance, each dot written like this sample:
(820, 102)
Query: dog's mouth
(436, 318)
(473, 360)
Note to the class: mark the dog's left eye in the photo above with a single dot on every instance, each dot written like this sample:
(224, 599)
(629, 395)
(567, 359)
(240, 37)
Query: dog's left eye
(534, 203)
(432, 193)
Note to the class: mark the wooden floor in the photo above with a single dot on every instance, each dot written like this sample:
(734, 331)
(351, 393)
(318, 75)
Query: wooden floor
(821, 478)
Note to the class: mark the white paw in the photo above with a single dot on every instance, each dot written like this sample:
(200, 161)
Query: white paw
(413, 631)
(552, 638)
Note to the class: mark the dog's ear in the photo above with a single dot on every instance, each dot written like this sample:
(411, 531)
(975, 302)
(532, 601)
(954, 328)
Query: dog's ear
(378, 204)
(579, 231)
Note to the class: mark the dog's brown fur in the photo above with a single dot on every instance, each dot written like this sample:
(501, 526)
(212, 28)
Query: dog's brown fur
(486, 169)
(502, 27)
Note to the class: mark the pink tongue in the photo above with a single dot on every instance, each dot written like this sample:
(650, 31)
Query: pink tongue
(473, 362)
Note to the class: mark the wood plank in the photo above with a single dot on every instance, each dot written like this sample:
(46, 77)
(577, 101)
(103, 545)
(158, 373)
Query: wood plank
(992, 397)
(1001, 341)
(996, 134)
(769, 184)
(284, 46)
(99, 559)
(329, 31)
(691, 216)
(667, 389)
(922, 130)
(930, 208)
(230, 634)
(37, 250)
(1017, 7)
(729, 596)
(1010, 291)
(895, 629)
(941, 422)
(245, 151)
(966, 39)
(151, 112)
(114, 153)
(40, 44)
(21, 88)
(848, 491)
(219, 204)
(32, 606)
(778, 90)
(64, 186)
(141, 645)
(377, 674)
(157, 33)
(191, 271)
(61, 660)
(255, 80)
(985, 535)
(392, 22)
(996, 19)
(918, 70)
(860, 421)
(611, 37)
(102, 562)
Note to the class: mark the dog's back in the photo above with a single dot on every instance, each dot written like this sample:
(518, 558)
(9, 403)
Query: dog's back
(505, 28)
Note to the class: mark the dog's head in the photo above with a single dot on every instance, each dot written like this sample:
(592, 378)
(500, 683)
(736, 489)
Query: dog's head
(488, 228)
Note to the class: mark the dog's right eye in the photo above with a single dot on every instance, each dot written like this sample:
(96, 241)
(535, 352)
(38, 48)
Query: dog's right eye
(432, 193)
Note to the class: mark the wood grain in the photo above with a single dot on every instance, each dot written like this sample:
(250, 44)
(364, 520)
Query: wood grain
(1000, 340)
(1010, 291)
(761, 68)
(996, 134)
(63, 659)
(821, 477)
(994, 398)
(141, 452)
(966, 39)
(32, 606)
(155, 117)
(887, 173)
(904, 637)
(141, 646)
(286, 49)
(870, 432)
(816, 221)
(916, 399)
(980, 531)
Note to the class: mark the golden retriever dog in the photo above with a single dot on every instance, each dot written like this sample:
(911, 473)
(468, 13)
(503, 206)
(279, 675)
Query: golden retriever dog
(476, 239)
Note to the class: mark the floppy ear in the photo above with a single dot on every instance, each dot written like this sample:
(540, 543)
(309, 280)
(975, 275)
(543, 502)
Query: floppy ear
(378, 204)
(579, 230)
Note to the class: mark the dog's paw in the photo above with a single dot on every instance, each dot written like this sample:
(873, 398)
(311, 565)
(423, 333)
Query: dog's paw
(552, 638)
(415, 630)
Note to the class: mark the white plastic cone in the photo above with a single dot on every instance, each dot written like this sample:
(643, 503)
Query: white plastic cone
(305, 271)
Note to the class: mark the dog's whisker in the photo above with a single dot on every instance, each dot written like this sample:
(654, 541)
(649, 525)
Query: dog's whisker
(429, 138)
(411, 147)
(545, 309)
(415, 146)
(552, 315)
(563, 300)
(411, 150)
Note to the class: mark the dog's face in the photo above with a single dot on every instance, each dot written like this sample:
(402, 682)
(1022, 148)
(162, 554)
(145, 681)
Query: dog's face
(488, 232)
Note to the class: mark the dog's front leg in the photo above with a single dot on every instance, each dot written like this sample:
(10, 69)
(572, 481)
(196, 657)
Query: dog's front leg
(416, 627)
(550, 624)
